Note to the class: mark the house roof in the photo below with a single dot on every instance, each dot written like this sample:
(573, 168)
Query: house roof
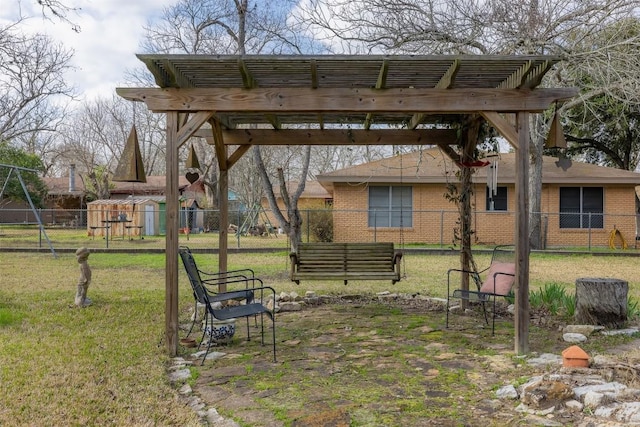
(433, 166)
(312, 190)
(59, 186)
(155, 184)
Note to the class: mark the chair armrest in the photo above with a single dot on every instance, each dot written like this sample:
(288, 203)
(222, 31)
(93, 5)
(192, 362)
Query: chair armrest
(473, 274)
(257, 291)
(248, 293)
(239, 272)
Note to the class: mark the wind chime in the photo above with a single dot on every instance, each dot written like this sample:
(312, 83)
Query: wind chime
(492, 182)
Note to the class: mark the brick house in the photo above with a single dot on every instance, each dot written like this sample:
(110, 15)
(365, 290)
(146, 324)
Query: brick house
(402, 198)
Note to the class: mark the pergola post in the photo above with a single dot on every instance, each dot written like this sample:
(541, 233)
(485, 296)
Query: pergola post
(522, 235)
(171, 242)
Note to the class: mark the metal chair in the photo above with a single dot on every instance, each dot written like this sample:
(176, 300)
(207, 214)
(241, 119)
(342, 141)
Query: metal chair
(245, 275)
(498, 282)
(250, 308)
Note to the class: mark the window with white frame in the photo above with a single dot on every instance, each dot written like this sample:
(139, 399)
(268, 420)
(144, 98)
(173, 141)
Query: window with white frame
(581, 207)
(390, 206)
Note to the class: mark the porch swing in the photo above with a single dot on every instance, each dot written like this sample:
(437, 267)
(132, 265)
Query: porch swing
(350, 261)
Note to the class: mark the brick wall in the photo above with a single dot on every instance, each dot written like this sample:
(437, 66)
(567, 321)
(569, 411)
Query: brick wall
(434, 218)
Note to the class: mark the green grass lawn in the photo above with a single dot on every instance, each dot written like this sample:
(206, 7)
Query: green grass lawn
(106, 364)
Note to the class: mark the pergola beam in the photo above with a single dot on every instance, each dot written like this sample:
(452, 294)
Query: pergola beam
(502, 125)
(445, 82)
(334, 136)
(346, 100)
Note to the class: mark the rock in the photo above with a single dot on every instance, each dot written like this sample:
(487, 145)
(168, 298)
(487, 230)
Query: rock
(179, 375)
(612, 387)
(185, 389)
(573, 337)
(293, 295)
(629, 331)
(211, 356)
(442, 301)
(535, 420)
(585, 330)
(312, 300)
(574, 405)
(283, 297)
(593, 399)
(626, 412)
(544, 394)
(546, 359)
(387, 296)
(290, 306)
(507, 392)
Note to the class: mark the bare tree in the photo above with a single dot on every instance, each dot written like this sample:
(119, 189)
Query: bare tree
(235, 27)
(94, 138)
(603, 124)
(481, 27)
(32, 88)
(60, 10)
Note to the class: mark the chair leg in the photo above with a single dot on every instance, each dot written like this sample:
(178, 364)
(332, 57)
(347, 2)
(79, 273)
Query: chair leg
(484, 311)
(248, 336)
(493, 317)
(204, 333)
(273, 329)
(195, 318)
(447, 314)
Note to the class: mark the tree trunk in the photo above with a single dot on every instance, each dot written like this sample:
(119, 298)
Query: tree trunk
(601, 301)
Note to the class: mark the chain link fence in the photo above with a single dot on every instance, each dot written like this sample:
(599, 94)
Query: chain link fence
(68, 229)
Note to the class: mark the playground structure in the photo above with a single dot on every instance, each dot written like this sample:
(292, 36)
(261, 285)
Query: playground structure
(15, 170)
(257, 223)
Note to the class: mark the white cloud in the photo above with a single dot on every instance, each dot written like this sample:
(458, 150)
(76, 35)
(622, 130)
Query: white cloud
(111, 31)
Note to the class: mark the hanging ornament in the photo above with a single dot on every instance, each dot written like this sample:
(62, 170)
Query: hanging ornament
(192, 159)
(556, 133)
(130, 167)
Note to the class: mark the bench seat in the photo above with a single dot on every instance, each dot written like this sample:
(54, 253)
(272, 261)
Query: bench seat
(345, 261)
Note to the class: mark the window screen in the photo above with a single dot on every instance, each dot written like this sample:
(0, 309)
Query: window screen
(498, 201)
(581, 207)
(390, 206)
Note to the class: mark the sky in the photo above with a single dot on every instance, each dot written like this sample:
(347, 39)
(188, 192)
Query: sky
(105, 47)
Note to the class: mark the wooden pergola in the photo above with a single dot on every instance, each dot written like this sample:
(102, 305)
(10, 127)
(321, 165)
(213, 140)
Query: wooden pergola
(240, 101)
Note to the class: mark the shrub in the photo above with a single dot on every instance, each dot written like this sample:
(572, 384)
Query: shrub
(321, 225)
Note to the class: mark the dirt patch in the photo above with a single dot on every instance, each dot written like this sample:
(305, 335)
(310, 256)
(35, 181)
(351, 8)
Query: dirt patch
(362, 362)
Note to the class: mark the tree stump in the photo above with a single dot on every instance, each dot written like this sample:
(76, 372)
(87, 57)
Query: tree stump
(601, 301)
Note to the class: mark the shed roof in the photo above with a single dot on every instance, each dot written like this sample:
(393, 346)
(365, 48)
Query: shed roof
(130, 201)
